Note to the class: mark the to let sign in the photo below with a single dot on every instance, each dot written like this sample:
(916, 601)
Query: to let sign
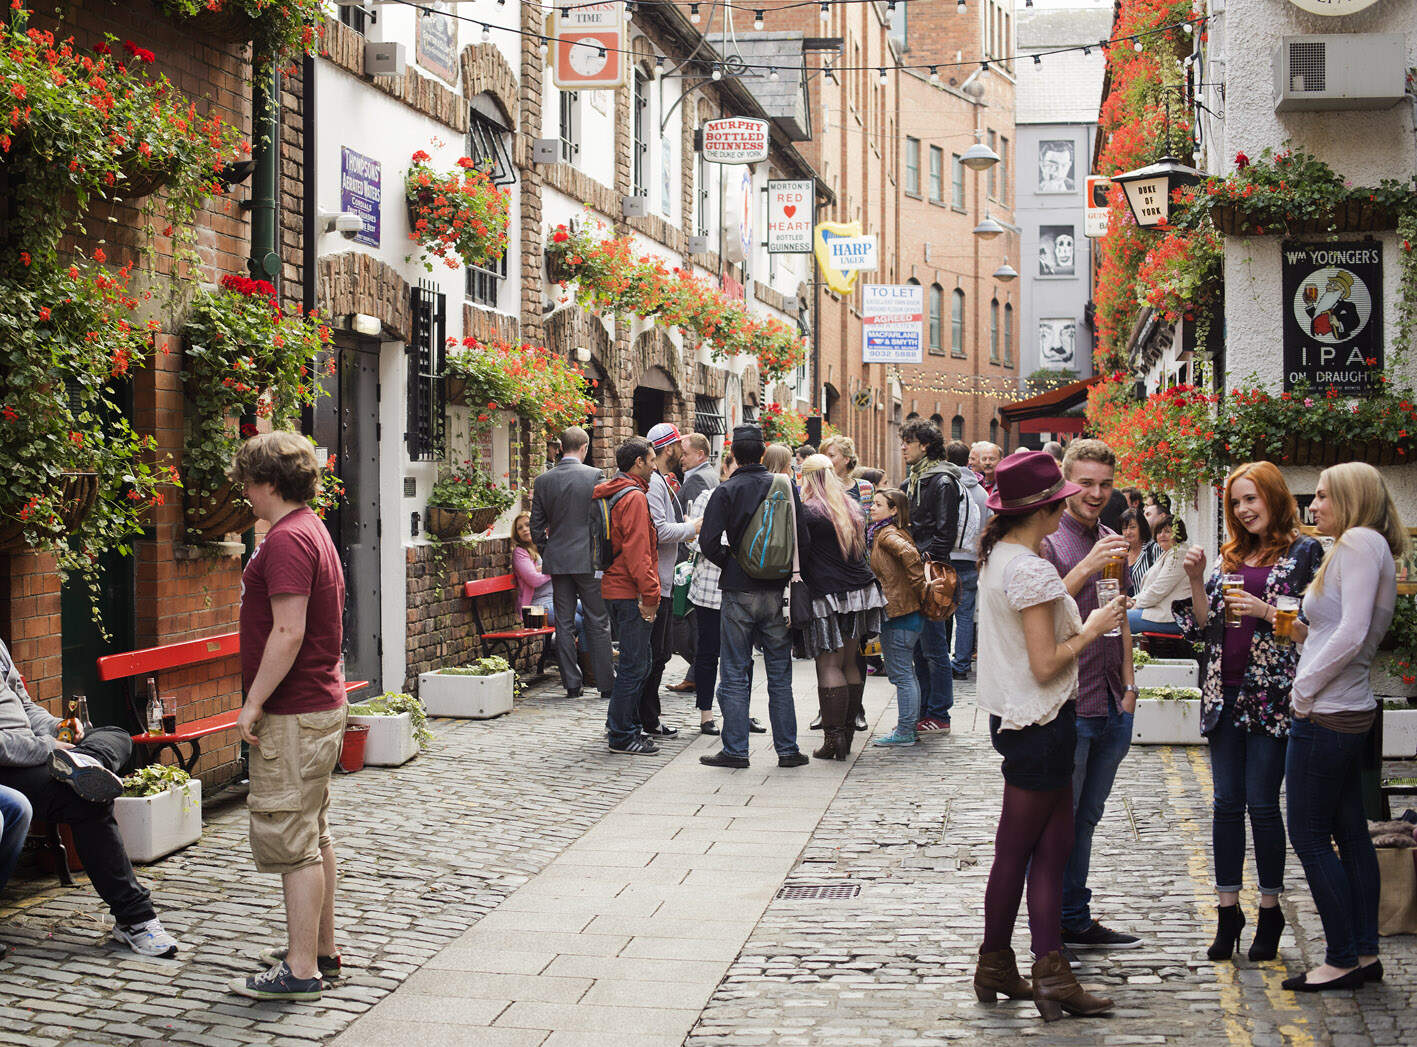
(892, 322)
(848, 253)
(735, 140)
(790, 217)
(590, 46)
(359, 193)
(1332, 315)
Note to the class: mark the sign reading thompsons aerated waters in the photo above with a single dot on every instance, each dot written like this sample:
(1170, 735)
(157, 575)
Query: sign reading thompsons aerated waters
(790, 217)
(360, 192)
(735, 140)
(892, 321)
(1332, 315)
(590, 46)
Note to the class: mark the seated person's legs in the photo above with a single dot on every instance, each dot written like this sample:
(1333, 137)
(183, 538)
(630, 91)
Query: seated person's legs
(15, 813)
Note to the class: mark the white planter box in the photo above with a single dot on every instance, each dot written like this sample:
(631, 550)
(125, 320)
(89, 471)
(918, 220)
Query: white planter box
(466, 697)
(1169, 672)
(391, 740)
(1400, 733)
(1166, 721)
(153, 827)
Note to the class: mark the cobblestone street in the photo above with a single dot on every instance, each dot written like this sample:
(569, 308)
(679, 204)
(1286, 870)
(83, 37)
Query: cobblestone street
(637, 901)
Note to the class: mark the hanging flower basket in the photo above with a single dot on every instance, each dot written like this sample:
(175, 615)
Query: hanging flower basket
(142, 176)
(448, 524)
(230, 25)
(459, 216)
(455, 389)
(78, 492)
(211, 516)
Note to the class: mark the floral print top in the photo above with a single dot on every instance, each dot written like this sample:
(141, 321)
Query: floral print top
(1262, 706)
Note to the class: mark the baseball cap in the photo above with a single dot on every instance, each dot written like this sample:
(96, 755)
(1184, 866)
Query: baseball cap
(662, 435)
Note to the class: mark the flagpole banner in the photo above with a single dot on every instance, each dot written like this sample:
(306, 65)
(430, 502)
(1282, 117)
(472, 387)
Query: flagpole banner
(1332, 315)
(892, 323)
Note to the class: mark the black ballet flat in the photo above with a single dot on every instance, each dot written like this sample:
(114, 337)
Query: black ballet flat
(1354, 979)
(1373, 972)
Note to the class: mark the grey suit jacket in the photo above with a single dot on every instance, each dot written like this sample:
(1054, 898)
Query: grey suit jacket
(560, 511)
(697, 480)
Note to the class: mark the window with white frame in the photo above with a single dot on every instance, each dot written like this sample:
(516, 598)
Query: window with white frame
(639, 136)
(570, 126)
(1008, 334)
(912, 166)
(936, 309)
(957, 323)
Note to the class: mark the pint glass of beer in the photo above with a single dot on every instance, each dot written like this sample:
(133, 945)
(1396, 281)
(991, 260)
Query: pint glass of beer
(1286, 613)
(1108, 589)
(1231, 583)
(1113, 568)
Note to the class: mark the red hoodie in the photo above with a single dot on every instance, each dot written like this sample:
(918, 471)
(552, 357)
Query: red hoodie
(634, 574)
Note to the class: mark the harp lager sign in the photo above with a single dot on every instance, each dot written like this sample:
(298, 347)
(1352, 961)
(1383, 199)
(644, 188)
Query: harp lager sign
(1332, 315)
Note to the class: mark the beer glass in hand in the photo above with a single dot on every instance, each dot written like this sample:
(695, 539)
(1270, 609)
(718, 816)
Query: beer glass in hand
(1108, 589)
(1230, 583)
(1286, 613)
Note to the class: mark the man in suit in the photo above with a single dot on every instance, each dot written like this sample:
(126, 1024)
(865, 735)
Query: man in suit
(560, 515)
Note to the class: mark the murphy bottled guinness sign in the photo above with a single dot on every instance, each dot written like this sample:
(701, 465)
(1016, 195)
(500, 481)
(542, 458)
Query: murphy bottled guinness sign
(1332, 316)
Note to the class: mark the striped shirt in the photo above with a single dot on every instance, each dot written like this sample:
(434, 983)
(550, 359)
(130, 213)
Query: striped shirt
(1150, 553)
(1100, 662)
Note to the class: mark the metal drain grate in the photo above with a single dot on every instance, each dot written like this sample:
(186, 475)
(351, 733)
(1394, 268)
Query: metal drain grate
(828, 892)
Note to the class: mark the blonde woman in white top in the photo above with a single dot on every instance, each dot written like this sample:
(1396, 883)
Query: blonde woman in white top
(1023, 607)
(1349, 607)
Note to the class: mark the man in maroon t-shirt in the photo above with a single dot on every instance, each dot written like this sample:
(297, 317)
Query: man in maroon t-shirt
(292, 610)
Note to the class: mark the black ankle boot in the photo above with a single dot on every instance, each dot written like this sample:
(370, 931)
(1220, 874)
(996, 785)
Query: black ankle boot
(1267, 930)
(1227, 932)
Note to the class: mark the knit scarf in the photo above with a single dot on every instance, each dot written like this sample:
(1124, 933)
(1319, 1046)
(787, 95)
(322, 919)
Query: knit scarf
(873, 529)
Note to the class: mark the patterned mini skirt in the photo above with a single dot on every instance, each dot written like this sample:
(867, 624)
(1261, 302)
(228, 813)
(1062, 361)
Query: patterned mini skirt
(858, 613)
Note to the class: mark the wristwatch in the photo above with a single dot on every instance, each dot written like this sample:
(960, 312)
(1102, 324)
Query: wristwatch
(1133, 688)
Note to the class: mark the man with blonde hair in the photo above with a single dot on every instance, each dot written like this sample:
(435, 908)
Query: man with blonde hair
(292, 673)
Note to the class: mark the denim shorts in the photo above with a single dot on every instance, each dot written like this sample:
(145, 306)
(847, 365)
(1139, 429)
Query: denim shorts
(1039, 757)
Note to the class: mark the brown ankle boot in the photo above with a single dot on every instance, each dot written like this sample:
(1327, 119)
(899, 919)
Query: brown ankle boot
(835, 744)
(998, 973)
(1056, 989)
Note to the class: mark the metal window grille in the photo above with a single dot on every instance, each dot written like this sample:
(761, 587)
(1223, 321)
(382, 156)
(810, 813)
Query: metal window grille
(483, 282)
(487, 145)
(426, 400)
(570, 148)
(702, 225)
(708, 419)
(639, 154)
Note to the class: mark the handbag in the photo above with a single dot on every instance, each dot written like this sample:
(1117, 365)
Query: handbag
(799, 597)
(679, 596)
(939, 597)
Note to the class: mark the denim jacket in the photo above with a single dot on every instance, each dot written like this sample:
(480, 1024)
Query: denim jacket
(1262, 706)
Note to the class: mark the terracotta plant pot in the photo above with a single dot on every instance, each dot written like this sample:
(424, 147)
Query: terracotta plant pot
(210, 517)
(78, 491)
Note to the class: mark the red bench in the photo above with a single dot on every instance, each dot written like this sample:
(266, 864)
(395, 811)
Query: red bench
(510, 641)
(150, 661)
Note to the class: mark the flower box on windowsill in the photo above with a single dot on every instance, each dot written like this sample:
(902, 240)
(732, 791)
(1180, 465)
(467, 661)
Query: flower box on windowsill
(391, 741)
(468, 697)
(1167, 721)
(155, 826)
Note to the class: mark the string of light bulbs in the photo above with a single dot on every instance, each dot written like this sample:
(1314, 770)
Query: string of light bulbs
(773, 71)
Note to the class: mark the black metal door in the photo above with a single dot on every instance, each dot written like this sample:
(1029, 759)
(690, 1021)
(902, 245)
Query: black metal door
(347, 423)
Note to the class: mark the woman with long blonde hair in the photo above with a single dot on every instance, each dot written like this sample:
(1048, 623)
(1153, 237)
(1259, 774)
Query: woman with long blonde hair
(846, 600)
(1349, 607)
(1245, 692)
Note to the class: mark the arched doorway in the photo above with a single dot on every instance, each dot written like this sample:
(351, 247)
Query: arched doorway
(650, 401)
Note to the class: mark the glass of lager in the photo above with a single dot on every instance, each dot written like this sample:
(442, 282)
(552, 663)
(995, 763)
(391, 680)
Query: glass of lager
(1286, 612)
(1108, 589)
(1231, 583)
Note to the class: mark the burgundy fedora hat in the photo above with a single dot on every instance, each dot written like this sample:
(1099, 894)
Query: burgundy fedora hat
(1026, 480)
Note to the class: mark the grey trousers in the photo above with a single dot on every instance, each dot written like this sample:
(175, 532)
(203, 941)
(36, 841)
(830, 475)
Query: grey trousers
(565, 589)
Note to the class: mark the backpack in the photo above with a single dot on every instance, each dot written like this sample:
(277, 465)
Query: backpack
(768, 542)
(602, 550)
(940, 595)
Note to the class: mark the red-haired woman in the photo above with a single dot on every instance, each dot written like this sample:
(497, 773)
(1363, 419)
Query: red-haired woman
(1245, 694)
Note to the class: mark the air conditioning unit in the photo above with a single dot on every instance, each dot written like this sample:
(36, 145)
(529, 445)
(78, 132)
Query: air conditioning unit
(1335, 72)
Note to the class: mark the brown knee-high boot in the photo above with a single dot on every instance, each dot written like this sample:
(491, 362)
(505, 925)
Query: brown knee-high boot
(855, 711)
(1056, 989)
(835, 742)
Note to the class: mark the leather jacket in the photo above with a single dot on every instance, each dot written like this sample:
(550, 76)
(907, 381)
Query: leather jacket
(899, 569)
(934, 510)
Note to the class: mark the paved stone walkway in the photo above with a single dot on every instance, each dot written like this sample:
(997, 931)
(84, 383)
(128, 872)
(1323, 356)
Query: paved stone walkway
(518, 885)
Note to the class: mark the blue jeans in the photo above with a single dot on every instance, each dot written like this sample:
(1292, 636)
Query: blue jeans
(1246, 769)
(1102, 743)
(934, 671)
(746, 620)
(964, 615)
(1326, 807)
(623, 716)
(1139, 625)
(898, 652)
(15, 813)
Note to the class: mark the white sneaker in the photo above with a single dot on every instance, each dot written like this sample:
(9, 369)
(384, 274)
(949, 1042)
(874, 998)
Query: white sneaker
(147, 939)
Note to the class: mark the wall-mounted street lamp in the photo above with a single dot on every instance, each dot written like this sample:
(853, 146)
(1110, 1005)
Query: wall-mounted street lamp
(1148, 189)
(988, 229)
(1005, 273)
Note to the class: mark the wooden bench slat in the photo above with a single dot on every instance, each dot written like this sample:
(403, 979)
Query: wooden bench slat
(502, 583)
(220, 722)
(519, 634)
(168, 656)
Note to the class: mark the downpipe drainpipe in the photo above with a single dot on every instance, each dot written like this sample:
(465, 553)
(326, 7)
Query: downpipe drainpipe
(308, 232)
(264, 263)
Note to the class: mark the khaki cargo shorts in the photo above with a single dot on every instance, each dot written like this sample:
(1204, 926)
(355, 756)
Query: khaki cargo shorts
(289, 800)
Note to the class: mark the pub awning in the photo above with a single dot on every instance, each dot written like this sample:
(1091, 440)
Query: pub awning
(1048, 412)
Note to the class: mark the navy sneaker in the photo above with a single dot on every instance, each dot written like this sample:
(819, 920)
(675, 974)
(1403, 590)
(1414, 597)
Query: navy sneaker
(1095, 936)
(637, 746)
(277, 984)
(85, 775)
(329, 965)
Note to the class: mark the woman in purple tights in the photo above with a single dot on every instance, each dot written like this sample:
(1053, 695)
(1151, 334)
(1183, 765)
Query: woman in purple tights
(1024, 609)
